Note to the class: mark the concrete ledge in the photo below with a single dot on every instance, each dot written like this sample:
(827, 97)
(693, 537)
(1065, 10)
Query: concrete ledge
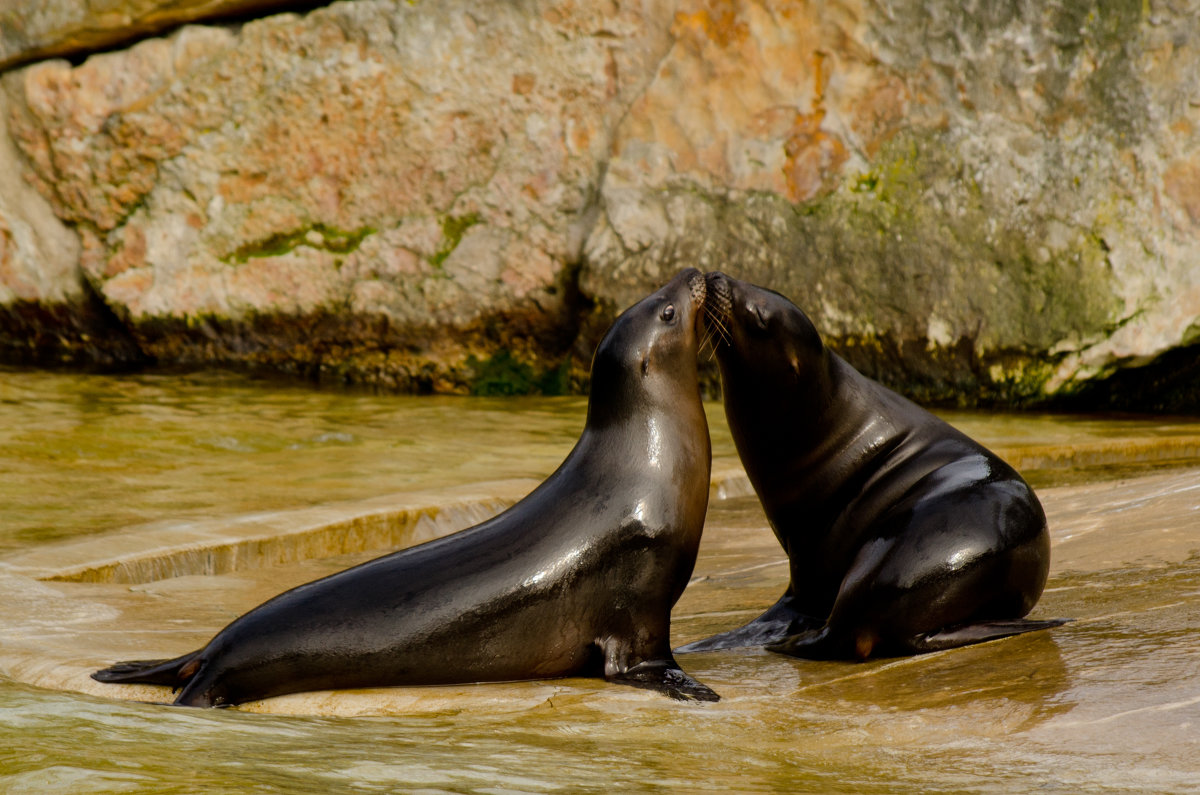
(1103, 453)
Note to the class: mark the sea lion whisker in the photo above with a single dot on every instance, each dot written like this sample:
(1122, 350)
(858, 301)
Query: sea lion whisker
(716, 336)
(713, 317)
(706, 341)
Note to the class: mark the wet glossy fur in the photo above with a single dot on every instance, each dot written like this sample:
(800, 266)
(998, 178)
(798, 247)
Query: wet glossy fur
(576, 579)
(903, 535)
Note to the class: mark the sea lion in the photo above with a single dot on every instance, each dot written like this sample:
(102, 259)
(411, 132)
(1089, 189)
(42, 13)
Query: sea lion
(903, 535)
(576, 579)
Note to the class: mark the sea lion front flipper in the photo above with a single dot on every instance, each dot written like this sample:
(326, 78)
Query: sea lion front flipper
(666, 677)
(780, 621)
(953, 637)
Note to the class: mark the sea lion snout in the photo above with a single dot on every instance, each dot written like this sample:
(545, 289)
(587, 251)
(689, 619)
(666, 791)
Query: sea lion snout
(718, 303)
(698, 285)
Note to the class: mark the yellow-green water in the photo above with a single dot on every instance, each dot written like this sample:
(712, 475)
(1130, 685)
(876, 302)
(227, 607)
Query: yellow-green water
(1110, 702)
(84, 454)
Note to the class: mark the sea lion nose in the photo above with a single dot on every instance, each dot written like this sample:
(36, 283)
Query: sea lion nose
(697, 284)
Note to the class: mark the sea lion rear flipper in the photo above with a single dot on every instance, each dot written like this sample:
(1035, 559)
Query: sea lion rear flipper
(666, 677)
(172, 673)
(967, 634)
(780, 621)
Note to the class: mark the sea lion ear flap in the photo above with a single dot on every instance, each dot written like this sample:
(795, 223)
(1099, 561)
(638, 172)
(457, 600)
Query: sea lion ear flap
(804, 332)
(760, 315)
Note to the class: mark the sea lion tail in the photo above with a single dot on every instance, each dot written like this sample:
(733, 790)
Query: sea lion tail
(173, 673)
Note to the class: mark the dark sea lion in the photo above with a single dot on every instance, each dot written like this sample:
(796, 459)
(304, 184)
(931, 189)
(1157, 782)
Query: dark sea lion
(903, 535)
(576, 579)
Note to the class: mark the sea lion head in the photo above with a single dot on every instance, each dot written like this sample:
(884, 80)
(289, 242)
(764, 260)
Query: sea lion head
(761, 335)
(651, 350)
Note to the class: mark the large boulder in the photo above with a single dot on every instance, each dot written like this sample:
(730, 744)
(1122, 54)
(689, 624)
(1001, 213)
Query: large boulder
(376, 191)
(48, 313)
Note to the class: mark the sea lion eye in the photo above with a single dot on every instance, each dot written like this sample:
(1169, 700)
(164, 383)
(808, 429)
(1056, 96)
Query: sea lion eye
(668, 312)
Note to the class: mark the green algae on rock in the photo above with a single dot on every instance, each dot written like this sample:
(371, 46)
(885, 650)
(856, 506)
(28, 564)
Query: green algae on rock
(318, 236)
(453, 229)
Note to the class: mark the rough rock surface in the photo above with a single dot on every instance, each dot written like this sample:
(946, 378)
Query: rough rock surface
(975, 202)
(361, 191)
(48, 312)
(37, 29)
(992, 200)
(39, 258)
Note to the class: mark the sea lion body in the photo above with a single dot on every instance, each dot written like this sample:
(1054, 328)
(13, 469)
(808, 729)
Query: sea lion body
(578, 578)
(903, 535)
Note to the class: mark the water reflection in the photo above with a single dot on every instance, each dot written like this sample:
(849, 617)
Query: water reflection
(1026, 683)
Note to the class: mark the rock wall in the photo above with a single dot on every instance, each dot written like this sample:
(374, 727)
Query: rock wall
(977, 203)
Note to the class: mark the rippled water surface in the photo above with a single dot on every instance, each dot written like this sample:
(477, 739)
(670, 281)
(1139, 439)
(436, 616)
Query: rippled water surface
(1110, 702)
(82, 454)
(88, 453)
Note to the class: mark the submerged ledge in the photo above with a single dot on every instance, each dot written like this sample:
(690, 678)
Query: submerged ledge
(177, 548)
(162, 550)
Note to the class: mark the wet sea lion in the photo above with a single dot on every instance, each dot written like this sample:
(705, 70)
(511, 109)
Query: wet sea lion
(576, 579)
(903, 535)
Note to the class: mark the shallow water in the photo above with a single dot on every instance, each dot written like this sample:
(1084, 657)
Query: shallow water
(84, 454)
(81, 454)
(1110, 702)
